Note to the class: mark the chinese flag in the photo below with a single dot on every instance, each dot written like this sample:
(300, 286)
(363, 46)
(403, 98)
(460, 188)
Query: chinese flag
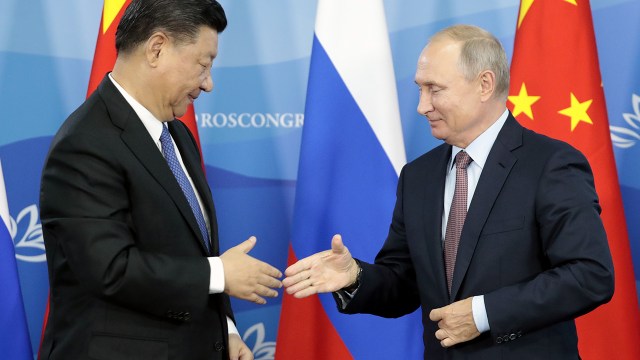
(556, 89)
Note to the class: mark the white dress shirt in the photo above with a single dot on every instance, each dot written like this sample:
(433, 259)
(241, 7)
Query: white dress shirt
(154, 127)
(479, 151)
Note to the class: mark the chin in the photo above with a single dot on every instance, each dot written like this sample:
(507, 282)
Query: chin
(438, 135)
(179, 113)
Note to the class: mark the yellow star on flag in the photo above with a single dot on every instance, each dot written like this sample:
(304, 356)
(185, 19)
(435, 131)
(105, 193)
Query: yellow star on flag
(522, 102)
(572, 2)
(109, 12)
(577, 111)
(525, 5)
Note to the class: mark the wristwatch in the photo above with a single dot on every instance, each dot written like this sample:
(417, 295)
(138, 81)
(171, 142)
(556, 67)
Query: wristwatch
(353, 287)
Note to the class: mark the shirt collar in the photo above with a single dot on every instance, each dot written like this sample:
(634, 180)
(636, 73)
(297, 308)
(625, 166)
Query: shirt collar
(480, 147)
(150, 122)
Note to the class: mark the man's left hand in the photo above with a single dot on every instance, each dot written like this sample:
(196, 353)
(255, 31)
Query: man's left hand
(238, 350)
(455, 323)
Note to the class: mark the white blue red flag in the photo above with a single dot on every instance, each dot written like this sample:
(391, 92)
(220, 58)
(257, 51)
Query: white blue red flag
(14, 335)
(351, 154)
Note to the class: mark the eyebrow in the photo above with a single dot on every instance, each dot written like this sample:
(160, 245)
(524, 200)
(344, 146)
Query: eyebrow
(428, 83)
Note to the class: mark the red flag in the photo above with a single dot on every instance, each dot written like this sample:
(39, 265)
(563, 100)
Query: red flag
(556, 89)
(301, 322)
(105, 55)
(103, 60)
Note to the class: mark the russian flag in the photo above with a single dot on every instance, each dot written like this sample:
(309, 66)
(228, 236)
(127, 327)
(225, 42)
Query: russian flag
(351, 154)
(14, 342)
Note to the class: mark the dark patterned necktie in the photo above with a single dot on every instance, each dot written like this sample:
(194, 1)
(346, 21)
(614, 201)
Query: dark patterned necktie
(457, 215)
(170, 155)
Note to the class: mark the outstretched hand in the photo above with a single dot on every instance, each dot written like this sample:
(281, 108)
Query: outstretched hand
(246, 277)
(326, 271)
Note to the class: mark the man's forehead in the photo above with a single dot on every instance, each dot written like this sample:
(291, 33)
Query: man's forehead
(442, 46)
(439, 52)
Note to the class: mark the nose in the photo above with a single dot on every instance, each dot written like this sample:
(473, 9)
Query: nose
(424, 104)
(207, 83)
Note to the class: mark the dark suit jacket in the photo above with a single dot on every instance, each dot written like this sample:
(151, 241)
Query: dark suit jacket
(533, 244)
(127, 267)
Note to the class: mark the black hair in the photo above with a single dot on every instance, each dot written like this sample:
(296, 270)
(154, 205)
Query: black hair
(179, 19)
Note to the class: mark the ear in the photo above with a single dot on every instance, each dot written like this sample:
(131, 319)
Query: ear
(154, 48)
(487, 84)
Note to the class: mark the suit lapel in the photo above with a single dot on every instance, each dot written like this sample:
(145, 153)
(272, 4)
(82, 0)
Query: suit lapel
(432, 213)
(495, 173)
(191, 161)
(138, 140)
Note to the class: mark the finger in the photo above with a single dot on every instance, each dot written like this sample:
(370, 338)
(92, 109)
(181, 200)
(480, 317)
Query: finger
(311, 290)
(299, 277)
(247, 355)
(435, 314)
(302, 265)
(269, 282)
(270, 270)
(258, 299)
(441, 334)
(299, 287)
(290, 281)
(247, 245)
(448, 342)
(337, 246)
(264, 291)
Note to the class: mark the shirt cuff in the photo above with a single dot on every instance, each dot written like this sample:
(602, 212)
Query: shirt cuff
(232, 327)
(216, 278)
(345, 297)
(480, 313)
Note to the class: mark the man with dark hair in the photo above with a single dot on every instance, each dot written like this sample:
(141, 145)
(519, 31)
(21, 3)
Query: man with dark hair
(496, 234)
(128, 219)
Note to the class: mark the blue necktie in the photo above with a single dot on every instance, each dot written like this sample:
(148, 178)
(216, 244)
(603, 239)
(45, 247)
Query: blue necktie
(170, 155)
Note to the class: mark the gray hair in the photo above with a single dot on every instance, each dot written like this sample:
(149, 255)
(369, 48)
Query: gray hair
(480, 51)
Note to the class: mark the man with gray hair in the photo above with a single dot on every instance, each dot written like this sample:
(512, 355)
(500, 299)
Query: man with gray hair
(496, 234)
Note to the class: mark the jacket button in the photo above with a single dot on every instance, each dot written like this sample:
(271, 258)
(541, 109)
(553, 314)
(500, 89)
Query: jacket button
(513, 336)
(218, 346)
(505, 338)
(499, 340)
(187, 316)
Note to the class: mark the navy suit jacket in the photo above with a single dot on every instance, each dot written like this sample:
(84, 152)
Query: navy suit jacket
(533, 244)
(127, 267)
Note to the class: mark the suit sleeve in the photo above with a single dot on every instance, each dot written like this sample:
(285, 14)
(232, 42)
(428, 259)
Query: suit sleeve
(387, 287)
(85, 210)
(578, 273)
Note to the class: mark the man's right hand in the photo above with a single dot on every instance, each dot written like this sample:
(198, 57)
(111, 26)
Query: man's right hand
(326, 271)
(246, 277)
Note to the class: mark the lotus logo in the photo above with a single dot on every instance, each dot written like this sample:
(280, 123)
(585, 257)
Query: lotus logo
(29, 243)
(623, 137)
(262, 350)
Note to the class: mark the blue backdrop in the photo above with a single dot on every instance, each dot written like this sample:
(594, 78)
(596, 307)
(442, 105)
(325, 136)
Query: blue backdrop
(250, 125)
